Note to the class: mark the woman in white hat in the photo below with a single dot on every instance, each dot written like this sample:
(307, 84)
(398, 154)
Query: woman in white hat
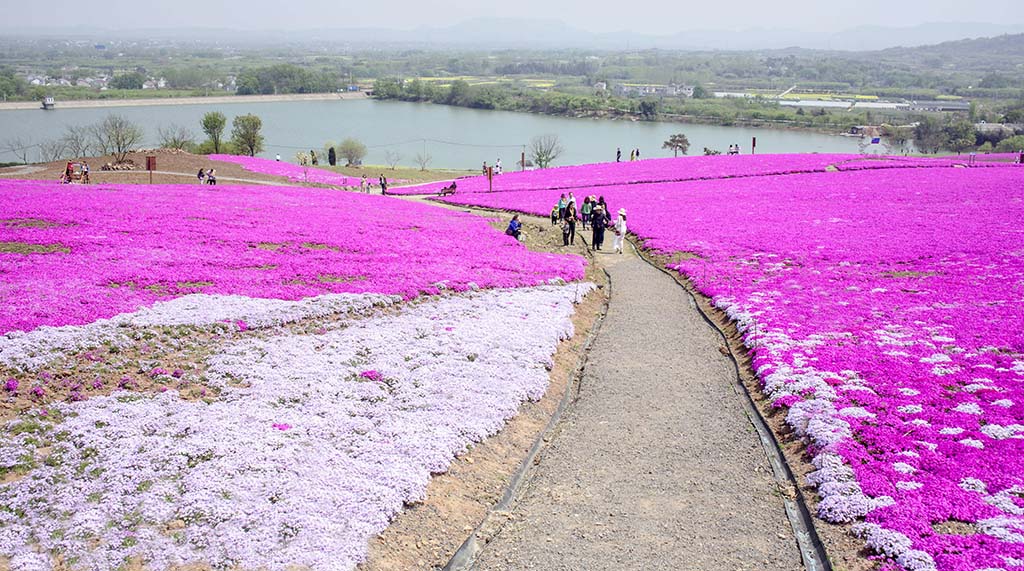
(620, 230)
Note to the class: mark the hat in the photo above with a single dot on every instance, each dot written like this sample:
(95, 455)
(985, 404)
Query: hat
(622, 211)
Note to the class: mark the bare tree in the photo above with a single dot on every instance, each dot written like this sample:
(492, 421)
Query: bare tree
(544, 149)
(423, 159)
(20, 147)
(77, 141)
(116, 136)
(392, 158)
(175, 137)
(54, 150)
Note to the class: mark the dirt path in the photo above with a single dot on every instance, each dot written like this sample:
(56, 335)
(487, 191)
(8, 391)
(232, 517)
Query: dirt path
(656, 466)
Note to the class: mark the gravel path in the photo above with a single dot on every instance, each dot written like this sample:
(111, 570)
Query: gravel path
(656, 466)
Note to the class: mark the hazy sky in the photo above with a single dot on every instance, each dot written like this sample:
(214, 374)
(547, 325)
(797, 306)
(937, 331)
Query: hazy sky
(653, 16)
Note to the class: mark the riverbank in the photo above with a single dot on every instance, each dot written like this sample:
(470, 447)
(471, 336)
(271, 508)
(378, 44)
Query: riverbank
(213, 99)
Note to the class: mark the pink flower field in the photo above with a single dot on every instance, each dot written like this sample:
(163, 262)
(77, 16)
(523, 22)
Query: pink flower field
(884, 310)
(72, 255)
(679, 169)
(249, 377)
(293, 172)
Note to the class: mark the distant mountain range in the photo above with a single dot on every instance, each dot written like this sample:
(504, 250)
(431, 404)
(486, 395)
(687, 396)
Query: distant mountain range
(553, 34)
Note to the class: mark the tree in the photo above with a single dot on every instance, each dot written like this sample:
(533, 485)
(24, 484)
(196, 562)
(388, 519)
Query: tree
(929, 135)
(678, 143)
(54, 150)
(392, 158)
(699, 92)
(544, 149)
(132, 80)
(175, 137)
(77, 141)
(897, 136)
(960, 136)
(423, 159)
(649, 109)
(213, 125)
(353, 151)
(1011, 145)
(116, 136)
(332, 157)
(245, 134)
(20, 148)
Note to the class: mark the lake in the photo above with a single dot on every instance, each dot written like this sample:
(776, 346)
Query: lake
(455, 137)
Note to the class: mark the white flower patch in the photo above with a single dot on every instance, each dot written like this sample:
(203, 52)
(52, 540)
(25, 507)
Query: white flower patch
(937, 358)
(910, 392)
(973, 443)
(1005, 403)
(31, 350)
(856, 412)
(910, 408)
(968, 408)
(909, 485)
(904, 468)
(951, 430)
(1008, 529)
(998, 432)
(314, 444)
(973, 485)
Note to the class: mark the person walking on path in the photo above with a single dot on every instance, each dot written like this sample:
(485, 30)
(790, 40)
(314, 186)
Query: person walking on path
(201, 175)
(632, 155)
(561, 207)
(483, 171)
(620, 231)
(569, 232)
(638, 153)
(211, 177)
(618, 154)
(277, 157)
(497, 167)
(597, 227)
(585, 211)
(606, 213)
(363, 186)
(572, 201)
(383, 184)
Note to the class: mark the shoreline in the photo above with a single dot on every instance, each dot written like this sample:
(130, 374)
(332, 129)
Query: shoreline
(215, 99)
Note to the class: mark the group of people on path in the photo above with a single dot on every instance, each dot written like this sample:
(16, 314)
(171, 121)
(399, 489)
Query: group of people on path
(634, 154)
(207, 176)
(734, 149)
(594, 212)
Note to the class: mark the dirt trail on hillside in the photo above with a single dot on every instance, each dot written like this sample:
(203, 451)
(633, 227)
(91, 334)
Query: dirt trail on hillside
(656, 466)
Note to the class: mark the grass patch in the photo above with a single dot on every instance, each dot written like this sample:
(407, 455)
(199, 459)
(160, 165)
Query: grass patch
(193, 285)
(332, 279)
(26, 248)
(29, 223)
(317, 246)
(908, 274)
(271, 246)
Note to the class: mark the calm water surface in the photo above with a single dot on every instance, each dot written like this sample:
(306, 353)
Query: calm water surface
(455, 137)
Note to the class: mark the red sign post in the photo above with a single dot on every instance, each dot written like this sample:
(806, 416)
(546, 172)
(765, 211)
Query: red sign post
(150, 166)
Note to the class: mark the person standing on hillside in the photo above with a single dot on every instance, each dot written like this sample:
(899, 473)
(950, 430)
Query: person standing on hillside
(561, 207)
(569, 232)
(277, 157)
(618, 154)
(638, 153)
(597, 226)
(620, 231)
(632, 155)
(383, 184)
(497, 167)
(585, 211)
(201, 175)
(364, 186)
